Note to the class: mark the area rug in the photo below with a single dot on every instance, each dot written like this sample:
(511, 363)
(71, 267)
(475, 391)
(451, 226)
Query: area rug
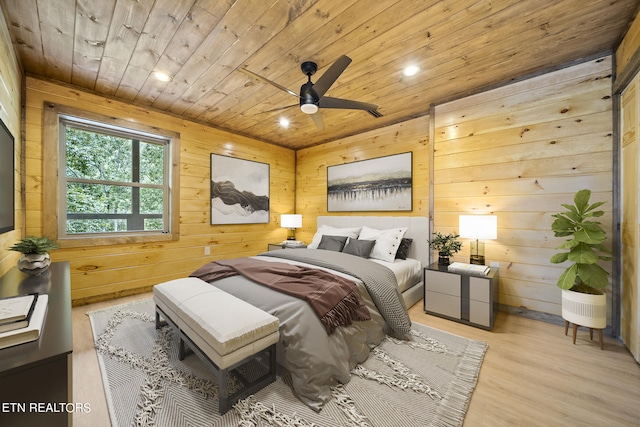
(425, 381)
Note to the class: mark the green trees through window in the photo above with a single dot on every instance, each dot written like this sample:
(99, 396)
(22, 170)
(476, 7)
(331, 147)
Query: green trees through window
(115, 182)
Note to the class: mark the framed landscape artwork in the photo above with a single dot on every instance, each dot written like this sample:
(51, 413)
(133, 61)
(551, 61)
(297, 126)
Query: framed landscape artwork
(380, 184)
(239, 191)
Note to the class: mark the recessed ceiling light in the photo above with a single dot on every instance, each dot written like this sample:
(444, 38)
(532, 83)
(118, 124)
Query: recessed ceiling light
(284, 122)
(411, 70)
(162, 76)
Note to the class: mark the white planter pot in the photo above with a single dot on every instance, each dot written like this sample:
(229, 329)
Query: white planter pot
(584, 309)
(34, 264)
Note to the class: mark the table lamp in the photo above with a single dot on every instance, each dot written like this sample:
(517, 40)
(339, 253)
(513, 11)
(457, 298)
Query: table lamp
(478, 227)
(291, 221)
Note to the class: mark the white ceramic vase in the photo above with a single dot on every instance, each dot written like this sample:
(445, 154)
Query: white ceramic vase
(34, 264)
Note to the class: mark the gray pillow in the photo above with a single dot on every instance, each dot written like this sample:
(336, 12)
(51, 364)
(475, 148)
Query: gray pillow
(361, 248)
(332, 243)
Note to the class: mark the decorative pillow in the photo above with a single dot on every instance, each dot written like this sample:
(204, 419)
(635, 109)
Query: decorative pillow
(387, 242)
(332, 243)
(403, 250)
(361, 248)
(332, 231)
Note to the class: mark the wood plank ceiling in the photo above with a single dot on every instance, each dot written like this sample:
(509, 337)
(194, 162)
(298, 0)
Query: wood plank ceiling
(113, 47)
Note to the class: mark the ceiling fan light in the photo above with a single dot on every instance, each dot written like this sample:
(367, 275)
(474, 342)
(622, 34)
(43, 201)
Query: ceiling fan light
(411, 70)
(163, 77)
(309, 108)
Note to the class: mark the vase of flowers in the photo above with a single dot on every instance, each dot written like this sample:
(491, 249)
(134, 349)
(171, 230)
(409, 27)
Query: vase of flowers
(35, 257)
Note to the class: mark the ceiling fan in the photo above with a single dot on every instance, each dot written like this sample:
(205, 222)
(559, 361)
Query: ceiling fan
(312, 94)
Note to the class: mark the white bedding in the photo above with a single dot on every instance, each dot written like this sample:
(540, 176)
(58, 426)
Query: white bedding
(408, 271)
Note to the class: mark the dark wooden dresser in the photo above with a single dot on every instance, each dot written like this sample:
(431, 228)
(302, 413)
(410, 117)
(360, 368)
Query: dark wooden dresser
(35, 377)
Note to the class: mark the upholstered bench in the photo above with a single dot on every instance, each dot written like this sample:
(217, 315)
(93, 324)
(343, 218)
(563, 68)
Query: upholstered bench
(224, 331)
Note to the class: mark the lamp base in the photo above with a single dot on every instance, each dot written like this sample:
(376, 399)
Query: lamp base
(477, 253)
(476, 259)
(291, 234)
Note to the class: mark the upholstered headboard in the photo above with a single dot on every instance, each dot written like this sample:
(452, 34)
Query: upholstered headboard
(417, 229)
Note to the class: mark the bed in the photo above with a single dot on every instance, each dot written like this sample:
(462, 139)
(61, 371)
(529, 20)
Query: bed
(317, 353)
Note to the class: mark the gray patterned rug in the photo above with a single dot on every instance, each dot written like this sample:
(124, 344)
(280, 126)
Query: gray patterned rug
(426, 381)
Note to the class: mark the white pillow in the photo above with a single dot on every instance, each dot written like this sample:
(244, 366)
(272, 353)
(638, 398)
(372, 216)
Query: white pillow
(387, 242)
(332, 231)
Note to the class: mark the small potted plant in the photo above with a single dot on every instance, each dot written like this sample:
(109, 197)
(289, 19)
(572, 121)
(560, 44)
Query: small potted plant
(584, 281)
(446, 245)
(35, 254)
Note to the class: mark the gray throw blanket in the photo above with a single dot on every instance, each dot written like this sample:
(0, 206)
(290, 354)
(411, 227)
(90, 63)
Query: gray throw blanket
(379, 280)
(335, 300)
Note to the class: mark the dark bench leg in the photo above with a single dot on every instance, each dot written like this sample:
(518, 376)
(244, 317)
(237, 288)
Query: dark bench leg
(223, 397)
(159, 323)
(186, 346)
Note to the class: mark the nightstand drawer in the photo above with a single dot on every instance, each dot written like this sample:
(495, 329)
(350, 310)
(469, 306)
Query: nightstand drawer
(480, 313)
(479, 289)
(447, 305)
(443, 283)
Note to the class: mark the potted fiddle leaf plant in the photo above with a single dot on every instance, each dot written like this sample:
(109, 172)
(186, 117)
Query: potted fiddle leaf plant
(35, 258)
(446, 245)
(583, 283)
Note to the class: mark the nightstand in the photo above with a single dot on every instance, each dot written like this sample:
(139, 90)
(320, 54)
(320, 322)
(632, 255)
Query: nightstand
(461, 297)
(276, 246)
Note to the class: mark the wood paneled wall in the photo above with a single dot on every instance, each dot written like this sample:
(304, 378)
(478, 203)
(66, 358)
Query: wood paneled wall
(519, 152)
(629, 117)
(111, 271)
(10, 93)
(628, 48)
(630, 140)
(311, 175)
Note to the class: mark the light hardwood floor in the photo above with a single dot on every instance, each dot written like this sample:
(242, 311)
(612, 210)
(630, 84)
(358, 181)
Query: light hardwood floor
(532, 374)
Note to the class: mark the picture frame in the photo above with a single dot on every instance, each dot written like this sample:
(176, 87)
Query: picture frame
(378, 184)
(239, 191)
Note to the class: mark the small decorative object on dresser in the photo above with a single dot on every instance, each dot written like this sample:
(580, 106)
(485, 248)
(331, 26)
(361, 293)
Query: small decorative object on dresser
(445, 245)
(35, 258)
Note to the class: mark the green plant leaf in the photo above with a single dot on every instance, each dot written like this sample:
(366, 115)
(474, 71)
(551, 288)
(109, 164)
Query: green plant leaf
(590, 233)
(593, 275)
(568, 278)
(559, 258)
(562, 226)
(583, 254)
(581, 200)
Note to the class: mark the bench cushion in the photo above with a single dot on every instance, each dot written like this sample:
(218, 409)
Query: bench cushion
(215, 319)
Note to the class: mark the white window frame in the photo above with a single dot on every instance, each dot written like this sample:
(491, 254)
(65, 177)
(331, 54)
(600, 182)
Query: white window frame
(56, 117)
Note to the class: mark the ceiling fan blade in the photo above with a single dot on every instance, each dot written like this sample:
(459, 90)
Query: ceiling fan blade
(279, 108)
(252, 74)
(317, 119)
(347, 104)
(331, 75)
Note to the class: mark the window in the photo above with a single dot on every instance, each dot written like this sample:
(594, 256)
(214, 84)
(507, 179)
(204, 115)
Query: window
(116, 182)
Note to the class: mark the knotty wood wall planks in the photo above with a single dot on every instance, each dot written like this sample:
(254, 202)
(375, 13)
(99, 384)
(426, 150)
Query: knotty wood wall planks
(629, 104)
(10, 94)
(628, 47)
(519, 152)
(630, 114)
(111, 271)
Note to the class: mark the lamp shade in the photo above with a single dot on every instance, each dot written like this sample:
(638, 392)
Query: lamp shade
(290, 221)
(480, 227)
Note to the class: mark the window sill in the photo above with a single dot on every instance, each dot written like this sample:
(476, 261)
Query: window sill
(119, 239)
